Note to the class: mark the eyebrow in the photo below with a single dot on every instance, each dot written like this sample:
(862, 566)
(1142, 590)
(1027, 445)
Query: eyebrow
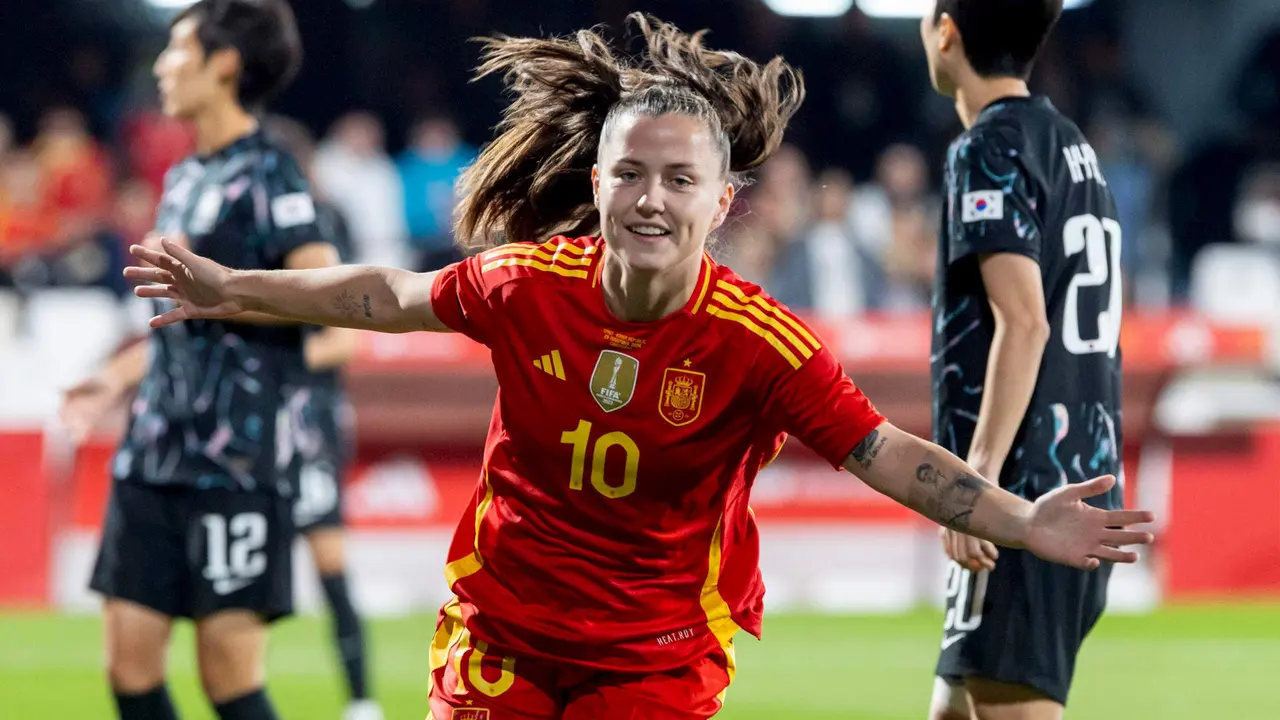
(669, 166)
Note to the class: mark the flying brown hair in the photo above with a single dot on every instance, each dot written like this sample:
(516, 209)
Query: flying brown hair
(533, 180)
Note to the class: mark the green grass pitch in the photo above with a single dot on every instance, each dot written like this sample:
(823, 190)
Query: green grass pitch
(1192, 663)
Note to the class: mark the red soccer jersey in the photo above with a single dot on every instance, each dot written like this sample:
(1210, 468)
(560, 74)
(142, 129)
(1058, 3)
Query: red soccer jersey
(610, 527)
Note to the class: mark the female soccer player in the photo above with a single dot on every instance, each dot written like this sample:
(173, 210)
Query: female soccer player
(609, 556)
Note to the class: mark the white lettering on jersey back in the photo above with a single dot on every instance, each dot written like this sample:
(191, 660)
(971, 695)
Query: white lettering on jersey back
(1082, 162)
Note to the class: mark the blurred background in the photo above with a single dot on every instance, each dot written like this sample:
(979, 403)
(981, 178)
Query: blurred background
(1180, 98)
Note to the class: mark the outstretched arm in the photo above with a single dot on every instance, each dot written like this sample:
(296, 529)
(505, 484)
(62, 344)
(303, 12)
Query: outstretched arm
(1059, 527)
(353, 296)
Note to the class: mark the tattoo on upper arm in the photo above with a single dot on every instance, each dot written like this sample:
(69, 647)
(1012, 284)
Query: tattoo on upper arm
(345, 303)
(368, 311)
(946, 500)
(865, 452)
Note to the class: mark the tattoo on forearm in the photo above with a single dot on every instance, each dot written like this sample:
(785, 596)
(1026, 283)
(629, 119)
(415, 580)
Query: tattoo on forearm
(946, 500)
(345, 303)
(865, 452)
(368, 311)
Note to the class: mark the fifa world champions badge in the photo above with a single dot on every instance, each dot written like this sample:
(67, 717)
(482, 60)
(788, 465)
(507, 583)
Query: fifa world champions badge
(614, 379)
(681, 399)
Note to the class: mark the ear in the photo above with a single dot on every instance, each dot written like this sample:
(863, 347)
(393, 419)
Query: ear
(948, 33)
(595, 184)
(722, 210)
(225, 64)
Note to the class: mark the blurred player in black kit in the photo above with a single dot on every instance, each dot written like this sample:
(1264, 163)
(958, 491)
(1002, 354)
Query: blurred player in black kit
(199, 524)
(1025, 361)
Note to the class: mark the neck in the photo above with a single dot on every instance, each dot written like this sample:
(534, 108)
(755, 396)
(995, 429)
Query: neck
(646, 295)
(978, 92)
(221, 125)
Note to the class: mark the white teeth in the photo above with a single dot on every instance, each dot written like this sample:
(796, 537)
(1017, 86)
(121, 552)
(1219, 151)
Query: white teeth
(646, 230)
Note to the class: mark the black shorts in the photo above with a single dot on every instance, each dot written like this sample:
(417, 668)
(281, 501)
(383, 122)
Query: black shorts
(1022, 623)
(189, 552)
(317, 485)
(318, 444)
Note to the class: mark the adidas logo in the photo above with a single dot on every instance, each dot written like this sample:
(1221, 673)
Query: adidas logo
(550, 364)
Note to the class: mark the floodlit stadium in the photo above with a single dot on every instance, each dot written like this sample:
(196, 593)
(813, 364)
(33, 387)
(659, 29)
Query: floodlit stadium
(1104, 255)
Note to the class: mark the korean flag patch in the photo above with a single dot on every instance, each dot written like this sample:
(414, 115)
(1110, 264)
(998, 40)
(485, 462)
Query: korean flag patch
(293, 209)
(982, 205)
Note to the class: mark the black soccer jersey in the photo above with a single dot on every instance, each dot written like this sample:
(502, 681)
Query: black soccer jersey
(205, 415)
(1023, 179)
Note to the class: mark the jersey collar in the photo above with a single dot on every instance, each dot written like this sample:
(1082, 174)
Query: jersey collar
(1000, 103)
(239, 145)
(695, 304)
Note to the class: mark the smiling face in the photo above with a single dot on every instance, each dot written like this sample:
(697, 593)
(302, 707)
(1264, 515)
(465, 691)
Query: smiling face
(661, 188)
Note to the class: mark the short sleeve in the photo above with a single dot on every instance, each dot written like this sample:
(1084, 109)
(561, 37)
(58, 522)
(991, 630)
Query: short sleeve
(459, 300)
(819, 405)
(290, 217)
(991, 204)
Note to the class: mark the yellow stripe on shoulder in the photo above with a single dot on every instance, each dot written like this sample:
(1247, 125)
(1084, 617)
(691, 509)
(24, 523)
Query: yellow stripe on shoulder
(767, 318)
(535, 264)
(563, 253)
(786, 317)
(768, 335)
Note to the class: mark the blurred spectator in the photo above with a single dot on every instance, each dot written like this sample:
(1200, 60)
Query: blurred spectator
(353, 170)
(775, 211)
(892, 224)
(27, 223)
(429, 170)
(76, 174)
(1256, 218)
(909, 265)
(822, 271)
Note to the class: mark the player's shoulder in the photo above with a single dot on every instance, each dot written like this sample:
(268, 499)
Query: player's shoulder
(275, 163)
(1016, 128)
(558, 262)
(187, 166)
(746, 314)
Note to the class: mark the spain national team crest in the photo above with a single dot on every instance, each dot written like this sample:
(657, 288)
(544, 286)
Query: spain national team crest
(614, 380)
(470, 714)
(681, 399)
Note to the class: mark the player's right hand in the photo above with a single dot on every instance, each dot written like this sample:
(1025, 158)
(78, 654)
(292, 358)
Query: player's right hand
(85, 404)
(969, 552)
(197, 284)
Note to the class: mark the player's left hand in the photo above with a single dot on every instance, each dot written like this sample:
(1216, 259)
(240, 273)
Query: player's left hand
(197, 284)
(1062, 528)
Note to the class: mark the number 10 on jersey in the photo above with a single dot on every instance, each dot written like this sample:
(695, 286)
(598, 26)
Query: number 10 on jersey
(580, 439)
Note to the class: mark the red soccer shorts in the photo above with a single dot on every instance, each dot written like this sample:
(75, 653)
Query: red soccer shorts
(473, 680)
